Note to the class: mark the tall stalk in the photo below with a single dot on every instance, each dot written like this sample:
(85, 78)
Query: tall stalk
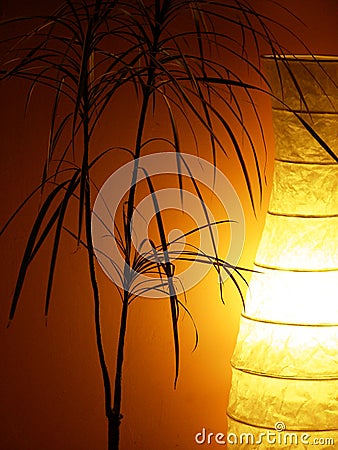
(96, 297)
(115, 421)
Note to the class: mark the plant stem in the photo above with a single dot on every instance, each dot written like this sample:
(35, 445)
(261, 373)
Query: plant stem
(97, 318)
(90, 252)
(114, 420)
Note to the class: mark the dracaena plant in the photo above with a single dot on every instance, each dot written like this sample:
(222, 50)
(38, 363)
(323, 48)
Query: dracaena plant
(176, 57)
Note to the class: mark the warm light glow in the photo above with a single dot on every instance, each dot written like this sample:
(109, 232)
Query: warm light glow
(293, 297)
(285, 365)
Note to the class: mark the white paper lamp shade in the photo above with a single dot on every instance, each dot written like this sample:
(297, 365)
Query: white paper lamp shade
(285, 364)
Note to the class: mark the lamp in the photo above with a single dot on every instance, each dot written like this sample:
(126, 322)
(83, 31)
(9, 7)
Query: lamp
(284, 390)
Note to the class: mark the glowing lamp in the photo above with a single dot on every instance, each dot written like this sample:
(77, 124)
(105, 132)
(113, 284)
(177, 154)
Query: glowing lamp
(284, 390)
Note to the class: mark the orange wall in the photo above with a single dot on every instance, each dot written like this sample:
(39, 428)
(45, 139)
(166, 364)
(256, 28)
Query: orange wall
(51, 389)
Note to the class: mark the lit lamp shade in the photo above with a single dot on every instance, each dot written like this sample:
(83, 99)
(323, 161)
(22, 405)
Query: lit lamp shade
(285, 364)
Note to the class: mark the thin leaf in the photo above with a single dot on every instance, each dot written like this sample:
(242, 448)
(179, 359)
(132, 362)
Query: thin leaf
(26, 260)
